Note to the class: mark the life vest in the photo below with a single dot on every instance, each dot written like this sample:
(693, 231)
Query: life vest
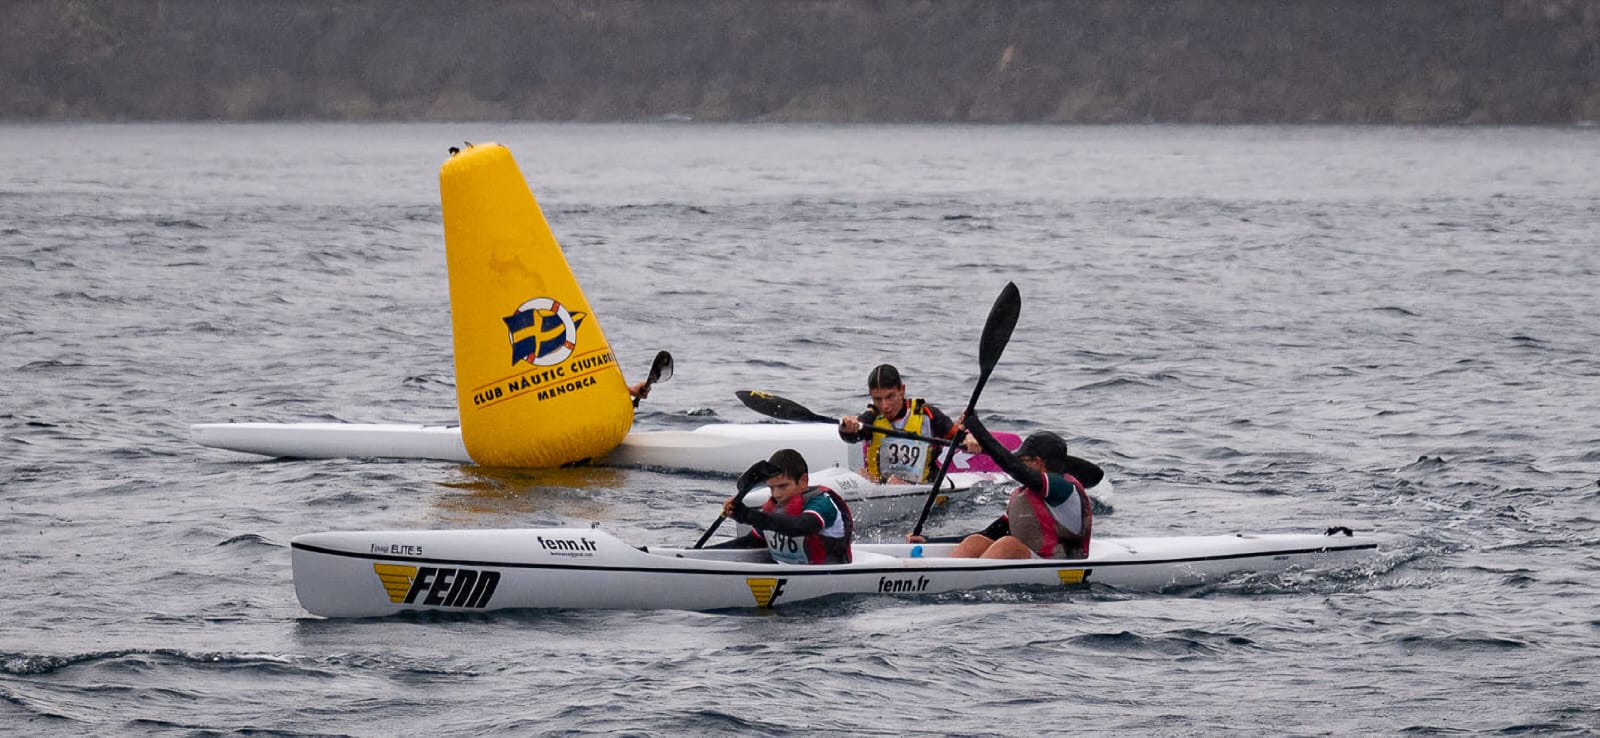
(829, 546)
(901, 457)
(1040, 526)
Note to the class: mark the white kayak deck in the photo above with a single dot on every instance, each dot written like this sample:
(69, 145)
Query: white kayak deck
(726, 448)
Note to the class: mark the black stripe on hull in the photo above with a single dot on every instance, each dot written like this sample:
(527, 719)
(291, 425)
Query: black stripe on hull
(803, 571)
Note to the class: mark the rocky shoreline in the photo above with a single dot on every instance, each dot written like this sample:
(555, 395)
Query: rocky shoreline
(1022, 61)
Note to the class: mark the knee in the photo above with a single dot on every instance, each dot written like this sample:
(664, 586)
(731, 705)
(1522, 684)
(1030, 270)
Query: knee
(1008, 547)
(971, 547)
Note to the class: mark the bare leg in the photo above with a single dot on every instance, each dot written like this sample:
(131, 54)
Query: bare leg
(971, 547)
(1008, 547)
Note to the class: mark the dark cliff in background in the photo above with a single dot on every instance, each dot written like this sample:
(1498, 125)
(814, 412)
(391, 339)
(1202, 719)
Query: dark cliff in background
(1196, 61)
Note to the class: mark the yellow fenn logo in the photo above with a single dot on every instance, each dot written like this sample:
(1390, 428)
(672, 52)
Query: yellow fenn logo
(765, 590)
(1072, 576)
(396, 580)
(437, 586)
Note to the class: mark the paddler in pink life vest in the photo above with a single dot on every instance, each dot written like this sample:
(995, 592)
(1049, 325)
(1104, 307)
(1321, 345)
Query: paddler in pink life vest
(1050, 515)
(897, 460)
(799, 524)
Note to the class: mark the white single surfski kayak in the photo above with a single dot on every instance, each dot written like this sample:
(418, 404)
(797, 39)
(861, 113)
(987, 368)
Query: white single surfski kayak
(379, 573)
(877, 504)
(718, 448)
(335, 440)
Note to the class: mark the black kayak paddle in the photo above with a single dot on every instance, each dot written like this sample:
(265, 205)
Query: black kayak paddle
(996, 334)
(660, 371)
(753, 477)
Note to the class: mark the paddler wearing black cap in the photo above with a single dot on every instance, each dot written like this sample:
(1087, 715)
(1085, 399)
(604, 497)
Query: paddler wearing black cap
(1049, 515)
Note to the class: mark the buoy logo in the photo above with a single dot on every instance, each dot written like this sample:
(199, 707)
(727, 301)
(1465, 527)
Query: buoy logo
(543, 332)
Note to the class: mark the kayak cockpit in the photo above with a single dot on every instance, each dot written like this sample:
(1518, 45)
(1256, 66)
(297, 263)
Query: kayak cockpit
(760, 555)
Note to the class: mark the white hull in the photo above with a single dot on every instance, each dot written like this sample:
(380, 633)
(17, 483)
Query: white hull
(378, 573)
(335, 440)
(720, 448)
(724, 448)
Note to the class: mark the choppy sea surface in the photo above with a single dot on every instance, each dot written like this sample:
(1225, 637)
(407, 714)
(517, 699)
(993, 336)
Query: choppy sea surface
(1253, 329)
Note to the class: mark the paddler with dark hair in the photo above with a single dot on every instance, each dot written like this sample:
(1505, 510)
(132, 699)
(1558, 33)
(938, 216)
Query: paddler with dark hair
(1049, 515)
(897, 460)
(799, 524)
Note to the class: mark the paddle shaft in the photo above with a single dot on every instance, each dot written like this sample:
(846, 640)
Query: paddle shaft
(737, 500)
(996, 334)
(895, 433)
(949, 456)
(782, 408)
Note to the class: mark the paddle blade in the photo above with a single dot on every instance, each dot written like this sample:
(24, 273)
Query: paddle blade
(781, 408)
(661, 369)
(997, 329)
(754, 477)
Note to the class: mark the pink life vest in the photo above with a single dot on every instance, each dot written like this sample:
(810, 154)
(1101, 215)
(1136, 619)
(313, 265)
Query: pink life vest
(1033, 523)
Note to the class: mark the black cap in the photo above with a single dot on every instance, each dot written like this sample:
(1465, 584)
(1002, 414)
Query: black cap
(1049, 447)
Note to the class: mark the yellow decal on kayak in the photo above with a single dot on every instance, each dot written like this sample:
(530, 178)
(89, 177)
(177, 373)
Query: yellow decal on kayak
(536, 383)
(765, 590)
(437, 586)
(396, 580)
(1072, 576)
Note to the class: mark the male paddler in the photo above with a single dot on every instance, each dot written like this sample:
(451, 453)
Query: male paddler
(798, 524)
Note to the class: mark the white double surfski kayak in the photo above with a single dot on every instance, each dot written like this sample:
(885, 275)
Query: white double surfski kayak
(380, 573)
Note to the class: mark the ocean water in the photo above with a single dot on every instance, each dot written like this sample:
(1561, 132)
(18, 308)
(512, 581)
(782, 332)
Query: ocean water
(1253, 329)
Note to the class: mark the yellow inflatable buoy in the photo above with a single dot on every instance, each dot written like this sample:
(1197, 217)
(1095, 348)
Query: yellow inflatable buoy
(536, 382)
